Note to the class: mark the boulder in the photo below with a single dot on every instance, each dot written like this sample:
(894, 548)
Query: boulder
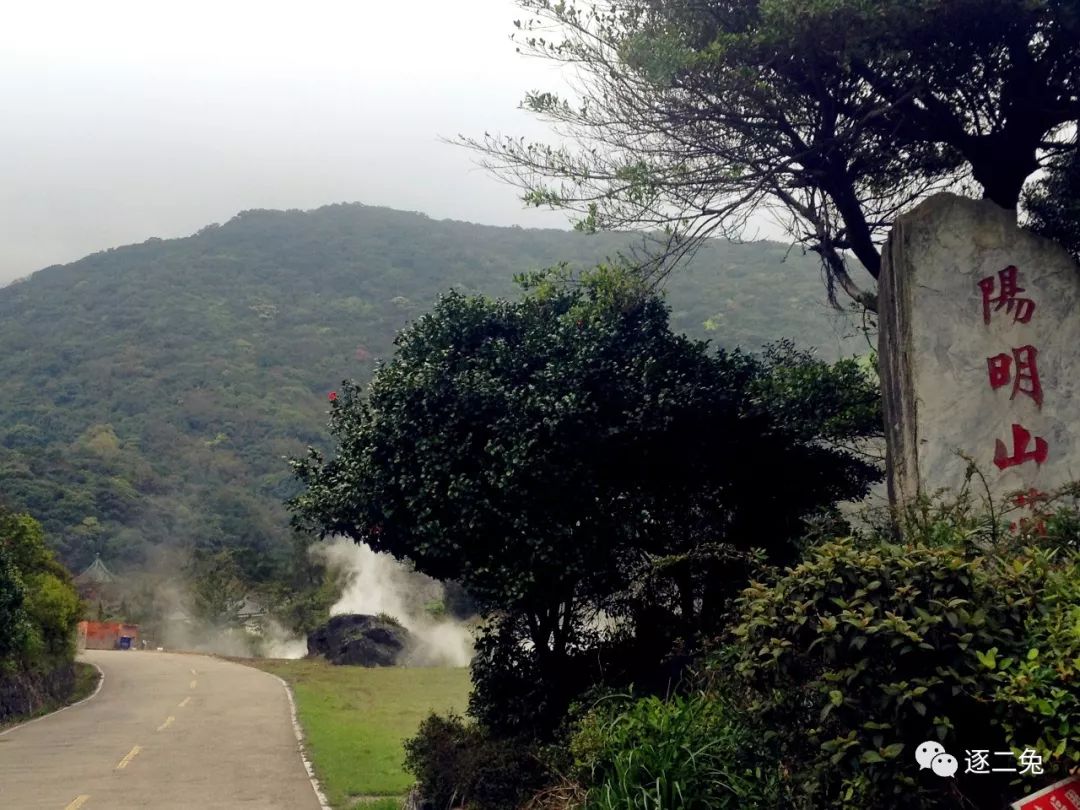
(360, 640)
(979, 326)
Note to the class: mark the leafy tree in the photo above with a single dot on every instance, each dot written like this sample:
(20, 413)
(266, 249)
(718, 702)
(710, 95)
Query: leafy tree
(541, 451)
(152, 392)
(1054, 204)
(834, 114)
(216, 585)
(38, 603)
(14, 626)
(962, 633)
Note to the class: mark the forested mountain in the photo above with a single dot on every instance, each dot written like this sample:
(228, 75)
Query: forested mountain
(152, 392)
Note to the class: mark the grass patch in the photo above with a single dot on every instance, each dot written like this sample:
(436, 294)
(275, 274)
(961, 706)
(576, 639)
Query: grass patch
(86, 681)
(355, 721)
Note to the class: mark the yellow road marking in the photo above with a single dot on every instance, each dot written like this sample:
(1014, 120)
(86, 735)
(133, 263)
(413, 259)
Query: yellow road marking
(168, 722)
(184, 702)
(194, 684)
(78, 802)
(134, 752)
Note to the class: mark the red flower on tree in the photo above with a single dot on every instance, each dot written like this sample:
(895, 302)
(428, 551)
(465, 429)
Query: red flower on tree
(332, 396)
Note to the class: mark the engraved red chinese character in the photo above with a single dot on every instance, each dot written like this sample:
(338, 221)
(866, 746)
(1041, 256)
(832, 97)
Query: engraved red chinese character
(1026, 378)
(1021, 440)
(1007, 288)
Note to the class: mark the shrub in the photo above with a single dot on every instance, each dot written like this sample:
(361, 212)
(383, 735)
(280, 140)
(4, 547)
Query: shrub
(14, 625)
(53, 608)
(868, 647)
(39, 607)
(691, 753)
(1043, 685)
(460, 764)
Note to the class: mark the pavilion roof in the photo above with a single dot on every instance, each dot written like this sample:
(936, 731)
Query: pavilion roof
(96, 573)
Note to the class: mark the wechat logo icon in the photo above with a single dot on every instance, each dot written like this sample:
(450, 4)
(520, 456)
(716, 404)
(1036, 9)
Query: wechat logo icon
(932, 755)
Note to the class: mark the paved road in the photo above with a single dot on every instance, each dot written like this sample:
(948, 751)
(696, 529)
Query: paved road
(166, 731)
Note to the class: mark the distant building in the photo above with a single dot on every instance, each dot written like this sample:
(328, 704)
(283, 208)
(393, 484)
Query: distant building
(250, 614)
(107, 636)
(97, 581)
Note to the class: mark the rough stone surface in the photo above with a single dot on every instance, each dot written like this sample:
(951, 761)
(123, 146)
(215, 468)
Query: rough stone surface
(361, 640)
(23, 693)
(935, 349)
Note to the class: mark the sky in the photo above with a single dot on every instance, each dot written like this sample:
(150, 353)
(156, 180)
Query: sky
(124, 120)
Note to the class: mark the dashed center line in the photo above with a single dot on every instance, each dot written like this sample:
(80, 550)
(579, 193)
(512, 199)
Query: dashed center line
(78, 802)
(184, 702)
(134, 752)
(168, 722)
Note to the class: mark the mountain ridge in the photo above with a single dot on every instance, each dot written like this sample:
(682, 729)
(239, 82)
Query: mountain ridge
(155, 388)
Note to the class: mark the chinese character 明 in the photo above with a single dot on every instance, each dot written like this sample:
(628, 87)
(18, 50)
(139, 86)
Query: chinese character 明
(977, 761)
(1026, 379)
(1021, 454)
(1007, 288)
(1031, 762)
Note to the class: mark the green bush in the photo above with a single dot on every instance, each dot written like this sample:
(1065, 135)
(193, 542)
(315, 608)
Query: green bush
(1042, 687)
(691, 753)
(460, 764)
(14, 625)
(39, 607)
(868, 647)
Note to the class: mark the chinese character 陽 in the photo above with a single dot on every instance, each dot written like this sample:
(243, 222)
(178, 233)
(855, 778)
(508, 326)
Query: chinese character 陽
(1031, 762)
(1021, 439)
(1026, 379)
(978, 761)
(1020, 308)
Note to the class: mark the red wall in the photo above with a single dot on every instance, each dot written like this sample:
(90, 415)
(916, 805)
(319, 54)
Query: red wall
(106, 635)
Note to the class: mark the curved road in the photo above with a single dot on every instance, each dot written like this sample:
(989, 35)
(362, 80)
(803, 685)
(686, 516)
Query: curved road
(166, 731)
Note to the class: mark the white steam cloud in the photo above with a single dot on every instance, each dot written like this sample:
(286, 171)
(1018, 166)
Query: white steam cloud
(376, 583)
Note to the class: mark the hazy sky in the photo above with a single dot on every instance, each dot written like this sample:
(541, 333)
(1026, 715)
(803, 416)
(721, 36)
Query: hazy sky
(129, 119)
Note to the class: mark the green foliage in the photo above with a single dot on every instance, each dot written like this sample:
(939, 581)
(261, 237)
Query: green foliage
(540, 451)
(1053, 204)
(685, 753)
(14, 625)
(356, 719)
(869, 646)
(152, 392)
(458, 764)
(39, 607)
(216, 586)
(53, 609)
(841, 113)
(1042, 685)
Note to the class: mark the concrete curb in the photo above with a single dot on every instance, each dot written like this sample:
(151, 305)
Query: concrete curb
(91, 696)
(299, 732)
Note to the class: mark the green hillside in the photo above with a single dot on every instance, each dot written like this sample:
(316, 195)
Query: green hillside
(151, 392)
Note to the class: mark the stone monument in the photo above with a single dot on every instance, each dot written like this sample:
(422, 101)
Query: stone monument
(979, 347)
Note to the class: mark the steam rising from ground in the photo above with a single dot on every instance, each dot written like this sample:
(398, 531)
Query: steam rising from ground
(369, 582)
(176, 629)
(376, 583)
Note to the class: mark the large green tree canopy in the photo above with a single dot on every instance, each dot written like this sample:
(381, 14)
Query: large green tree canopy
(542, 451)
(38, 603)
(835, 114)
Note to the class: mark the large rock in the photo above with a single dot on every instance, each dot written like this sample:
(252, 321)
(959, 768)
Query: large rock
(361, 640)
(979, 329)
